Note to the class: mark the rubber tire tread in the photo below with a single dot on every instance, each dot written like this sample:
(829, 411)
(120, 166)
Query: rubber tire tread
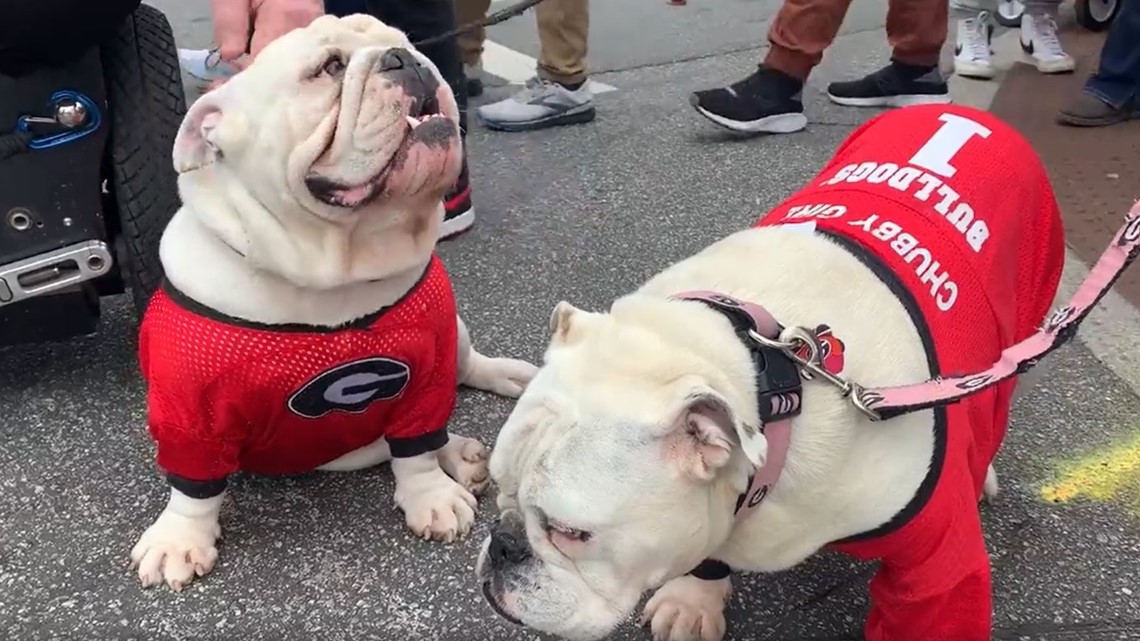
(146, 105)
(1085, 17)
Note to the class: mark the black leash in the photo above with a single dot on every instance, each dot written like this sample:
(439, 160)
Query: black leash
(490, 20)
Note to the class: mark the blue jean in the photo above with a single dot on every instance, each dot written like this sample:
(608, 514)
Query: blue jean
(1117, 79)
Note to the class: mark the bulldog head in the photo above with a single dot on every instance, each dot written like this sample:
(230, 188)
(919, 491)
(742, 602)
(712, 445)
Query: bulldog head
(326, 159)
(617, 470)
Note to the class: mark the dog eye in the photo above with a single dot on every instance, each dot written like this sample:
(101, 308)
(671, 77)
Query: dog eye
(334, 66)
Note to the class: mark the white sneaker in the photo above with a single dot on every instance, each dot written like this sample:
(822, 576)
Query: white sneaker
(972, 53)
(1040, 43)
(538, 105)
(204, 64)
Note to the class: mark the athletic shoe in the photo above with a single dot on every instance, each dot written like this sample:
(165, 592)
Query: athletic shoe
(972, 53)
(205, 65)
(895, 85)
(474, 75)
(1040, 43)
(459, 213)
(1087, 110)
(539, 105)
(768, 101)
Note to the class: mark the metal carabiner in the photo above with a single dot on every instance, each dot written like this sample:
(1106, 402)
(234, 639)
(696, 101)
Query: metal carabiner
(77, 114)
(791, 340)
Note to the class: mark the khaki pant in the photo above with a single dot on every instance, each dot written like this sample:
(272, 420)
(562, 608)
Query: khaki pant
(802, 29)
(563, 33)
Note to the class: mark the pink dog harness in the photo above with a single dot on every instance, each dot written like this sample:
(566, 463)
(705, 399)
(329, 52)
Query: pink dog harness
(802, 350)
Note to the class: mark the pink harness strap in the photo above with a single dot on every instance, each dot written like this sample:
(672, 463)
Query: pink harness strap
(887, 402)
(777, 433)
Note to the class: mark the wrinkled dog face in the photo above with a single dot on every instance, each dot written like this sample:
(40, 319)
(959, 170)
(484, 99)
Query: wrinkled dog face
(607, 472)
(329, 120)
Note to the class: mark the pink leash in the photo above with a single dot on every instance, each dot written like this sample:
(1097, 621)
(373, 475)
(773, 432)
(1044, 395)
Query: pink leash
(882, 403)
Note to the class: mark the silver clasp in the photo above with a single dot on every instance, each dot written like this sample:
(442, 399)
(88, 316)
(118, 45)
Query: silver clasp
(791, 340)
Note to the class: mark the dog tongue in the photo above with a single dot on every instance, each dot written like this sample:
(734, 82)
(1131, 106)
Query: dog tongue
(354, 196)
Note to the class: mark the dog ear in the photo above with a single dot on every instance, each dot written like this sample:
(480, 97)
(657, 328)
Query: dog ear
(567, 323)
(561, 318)
(710, 427)
(196, 145)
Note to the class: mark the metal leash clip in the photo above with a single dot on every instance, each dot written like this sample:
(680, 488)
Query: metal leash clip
(790, 342)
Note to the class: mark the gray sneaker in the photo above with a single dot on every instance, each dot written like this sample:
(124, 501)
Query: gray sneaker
(538, 105)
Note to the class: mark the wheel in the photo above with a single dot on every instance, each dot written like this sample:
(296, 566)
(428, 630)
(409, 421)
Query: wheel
(1096, 15)
(1009, 13)
(146, 106)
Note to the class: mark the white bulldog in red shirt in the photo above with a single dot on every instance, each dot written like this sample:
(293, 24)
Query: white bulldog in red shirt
(312, 185)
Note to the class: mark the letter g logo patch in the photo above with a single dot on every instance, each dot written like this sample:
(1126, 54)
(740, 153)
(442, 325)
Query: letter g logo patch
(351, 387)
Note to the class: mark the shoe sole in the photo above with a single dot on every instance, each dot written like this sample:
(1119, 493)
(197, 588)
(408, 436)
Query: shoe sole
(775, 124)
(908, 100)
(453, 227)
(572, 117)
(974, 70)
(1050, 67)
(1078, 121)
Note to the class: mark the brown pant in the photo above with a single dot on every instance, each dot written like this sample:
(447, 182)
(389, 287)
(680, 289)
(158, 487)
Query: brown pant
(563, 33)
(802, 29)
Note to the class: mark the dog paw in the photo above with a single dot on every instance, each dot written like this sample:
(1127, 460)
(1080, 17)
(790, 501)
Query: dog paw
(502, 376)
(175, 549)
(990, 487)
(688, 609)
(437, 508)
(465, 460)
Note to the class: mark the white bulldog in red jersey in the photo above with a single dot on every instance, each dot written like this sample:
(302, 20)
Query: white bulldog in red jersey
(671, 440)
(305, 322)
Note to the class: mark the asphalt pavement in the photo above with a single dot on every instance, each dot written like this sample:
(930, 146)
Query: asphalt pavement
(583, 214)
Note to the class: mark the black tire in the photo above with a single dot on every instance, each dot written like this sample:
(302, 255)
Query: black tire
(1009, 21)
(1096, 20)
(146, 105)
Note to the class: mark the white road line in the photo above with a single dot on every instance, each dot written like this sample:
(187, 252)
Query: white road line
(516, 67)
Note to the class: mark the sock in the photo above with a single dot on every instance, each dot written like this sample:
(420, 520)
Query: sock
(909, 71)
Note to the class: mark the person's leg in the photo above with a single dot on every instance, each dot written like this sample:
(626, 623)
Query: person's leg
(974, 19)
(1039, 38)
(563, 34)
(560, 94)
(422, 19)
(799, 34)
(471, 42)
(916, 30)
(1112, 94)
(769, 100)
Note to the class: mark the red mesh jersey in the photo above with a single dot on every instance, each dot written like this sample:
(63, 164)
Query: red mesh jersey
(226, 395)
(953, 207)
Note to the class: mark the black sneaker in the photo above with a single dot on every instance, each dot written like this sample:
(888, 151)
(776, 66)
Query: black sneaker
(895, 85)
(459, 213)
(768, 101)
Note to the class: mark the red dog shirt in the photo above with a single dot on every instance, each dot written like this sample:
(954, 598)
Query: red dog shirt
(953, 210)
(226, 394)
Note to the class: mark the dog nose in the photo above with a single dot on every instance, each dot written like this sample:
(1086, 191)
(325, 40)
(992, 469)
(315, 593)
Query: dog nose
(508, 542)
(396, 59)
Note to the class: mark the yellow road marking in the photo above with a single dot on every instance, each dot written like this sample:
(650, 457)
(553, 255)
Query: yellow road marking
(1112, 473)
